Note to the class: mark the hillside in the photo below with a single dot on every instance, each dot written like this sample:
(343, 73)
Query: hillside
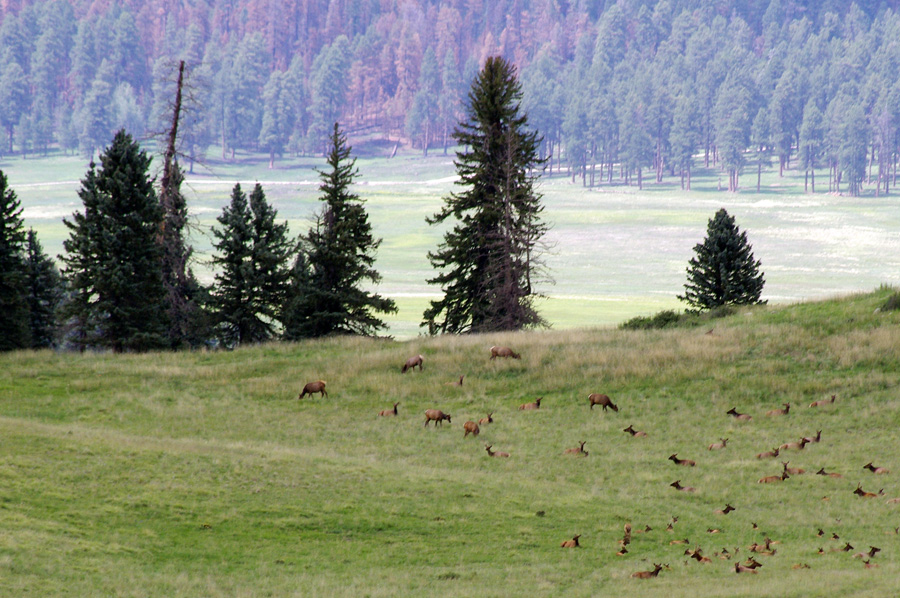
(202, 474)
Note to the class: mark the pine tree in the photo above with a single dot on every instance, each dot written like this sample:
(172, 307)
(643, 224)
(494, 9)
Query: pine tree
(253, 255)
(489, 258)
(14, 329)
(336, 259)
(723, 272)
(44, 293)
(113, 255)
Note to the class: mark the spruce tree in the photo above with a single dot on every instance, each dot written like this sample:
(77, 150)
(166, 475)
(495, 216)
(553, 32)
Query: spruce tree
(723, 271)
(113, 255)
(488, 260)
(44, 293)
(336, 259)
(14, 329)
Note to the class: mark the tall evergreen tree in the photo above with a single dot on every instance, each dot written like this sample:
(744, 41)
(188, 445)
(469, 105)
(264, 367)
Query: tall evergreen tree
(113, 255)
(44, 293)
(489, 258)
(723, 271)
(336, 259)
(14, 329)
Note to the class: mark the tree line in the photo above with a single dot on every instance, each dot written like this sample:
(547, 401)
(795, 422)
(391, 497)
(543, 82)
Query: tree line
(619, 91)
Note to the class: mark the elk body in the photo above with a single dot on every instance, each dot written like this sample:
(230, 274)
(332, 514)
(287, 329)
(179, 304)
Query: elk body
(437, 416)
(877, 470)
(389, 412)
(717, 446)
(684, 462)
(531, 406)
(457, 382)
(830, 475)
(728, 509)
(816, 438)
(487, 420)
(771, 479)
(768, 454)
(577, 451)
(647, 574)
(411, 364)
(635, 433)
(863, 494)
(739, 568)
(822, 402)
(573, 543)
(777, 412)
(471, 427)
(491, 453)
(503, 352)
(739, 416)
(792, 470)
(314, 387)
(787, 446)
(602, 400)
(677, 485)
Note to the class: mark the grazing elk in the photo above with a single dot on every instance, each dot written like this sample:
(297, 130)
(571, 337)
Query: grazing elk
(739, 416)
(877, 470)
(313, 387)
(822, 402)
(633, 432)
(768, 454)
(684, 462)
(717, 446)
(573, 543)
(491, 453)
(677, 485)
(777, 412)
(437, 416)
(471, 428)
(577, 451)
(863, 494)
(411, 364)
(531, 406)
(648, 574)
(389, 412)
(602, 400)
(503, 352)
(487, 420)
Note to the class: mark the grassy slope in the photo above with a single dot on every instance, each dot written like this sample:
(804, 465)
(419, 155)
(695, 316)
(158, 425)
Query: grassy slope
(201, 474)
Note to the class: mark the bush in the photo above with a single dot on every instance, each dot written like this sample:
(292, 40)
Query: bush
(671, 319)
(892, 303)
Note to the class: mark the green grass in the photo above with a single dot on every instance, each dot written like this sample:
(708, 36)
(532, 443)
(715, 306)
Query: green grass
(200, 474)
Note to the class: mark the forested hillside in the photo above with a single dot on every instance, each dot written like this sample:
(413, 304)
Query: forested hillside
(619, 90)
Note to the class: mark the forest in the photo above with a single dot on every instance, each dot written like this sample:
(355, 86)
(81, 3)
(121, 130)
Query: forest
(618, 91)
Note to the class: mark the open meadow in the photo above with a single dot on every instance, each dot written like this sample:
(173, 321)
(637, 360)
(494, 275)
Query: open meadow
(201, 474)
(614, 252)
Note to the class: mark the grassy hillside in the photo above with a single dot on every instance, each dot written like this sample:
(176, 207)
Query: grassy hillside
(201, 474)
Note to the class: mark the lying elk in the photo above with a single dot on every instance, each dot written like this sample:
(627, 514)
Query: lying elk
(677, 485)
(741, 416)
(389, 412)
(728, 509)
(577, 451)
(602, 400)
(411, 364)
(822, 402)
(739, 568)
(792, 470)
(636, 433)
(503, 352)
(471, 427)
(816, 438)
(437, 416)
(487, 420)
(648, 574)
(769, 479)
(787, 446)
(457, 382)
(776, 412)
(862, 493)
(873, 469)
(491, 453)
(314, 387)
(768, 454)
(573, 543)
(830, 475)
(717, 446)
(685, 462)
(531, 406)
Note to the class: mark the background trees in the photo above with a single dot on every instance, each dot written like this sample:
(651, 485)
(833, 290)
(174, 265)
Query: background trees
(14, 325)
(489, 257)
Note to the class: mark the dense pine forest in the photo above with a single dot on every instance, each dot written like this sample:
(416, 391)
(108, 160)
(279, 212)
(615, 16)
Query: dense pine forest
(619, 91)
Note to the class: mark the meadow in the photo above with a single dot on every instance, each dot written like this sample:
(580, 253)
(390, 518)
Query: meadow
(201, 474)
(613, 252)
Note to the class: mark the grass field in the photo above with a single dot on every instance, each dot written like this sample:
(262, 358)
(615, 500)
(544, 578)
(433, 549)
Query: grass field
(200, 474)
(613, 252)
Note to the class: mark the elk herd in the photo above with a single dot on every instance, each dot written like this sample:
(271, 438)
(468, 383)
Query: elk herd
(750, 565)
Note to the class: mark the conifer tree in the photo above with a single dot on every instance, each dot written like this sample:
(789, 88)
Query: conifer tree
(489, 258)
(723, 271)
(44, 293)
(336, 259)
(14, 329)
(113, 255)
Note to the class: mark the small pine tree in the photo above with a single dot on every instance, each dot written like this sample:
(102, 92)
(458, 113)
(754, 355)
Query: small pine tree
(14, 328)
(723, 272)
(45, 293)
(336, 258)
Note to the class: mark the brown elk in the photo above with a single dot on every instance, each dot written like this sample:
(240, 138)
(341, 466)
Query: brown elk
(314, 387)
(739, 568)
(437, 416)
(647, 574)
(487, 420)
(816, 438)
(863, 494)
(411, 364)
(573, 543)
(717, 446)
(830, 475)
(471, 428)
(877, 470)
(740, 416)
(389, 412)
(792, 470)
(602, 400)
(531, 406)
(728, 509)
(685, 462)
(456, 382)
(768, 454)
(822, 402)
(770, 479)
(677, 485)
(503, 352)
(870, 553)
(787, 446)
(635, 433)
(776, 412)
(577, 451)
(491, 453)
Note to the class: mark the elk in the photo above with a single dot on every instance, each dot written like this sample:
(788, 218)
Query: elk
(739, 568)
(491, 453)
(717, 446)
(437, 416)
(876, 470)
(816, 438)
(769, 479)
(577, 451)
(503, 352)
(633, 432)
(573, 543)
(389, 412)
(792, 470)
(411, 364)
(531, 406)
(728, 509)
(777, 412)
(456, 383)
(822, 402)
(471, 427)
(677, 485)
(313, 387)
(830, 475)
(740, 416)
(863, 494)
(487, 420)
(647, 574)
(685, 462)
(870, 553)
(768, 454)
(602, 400)
(794, 445)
